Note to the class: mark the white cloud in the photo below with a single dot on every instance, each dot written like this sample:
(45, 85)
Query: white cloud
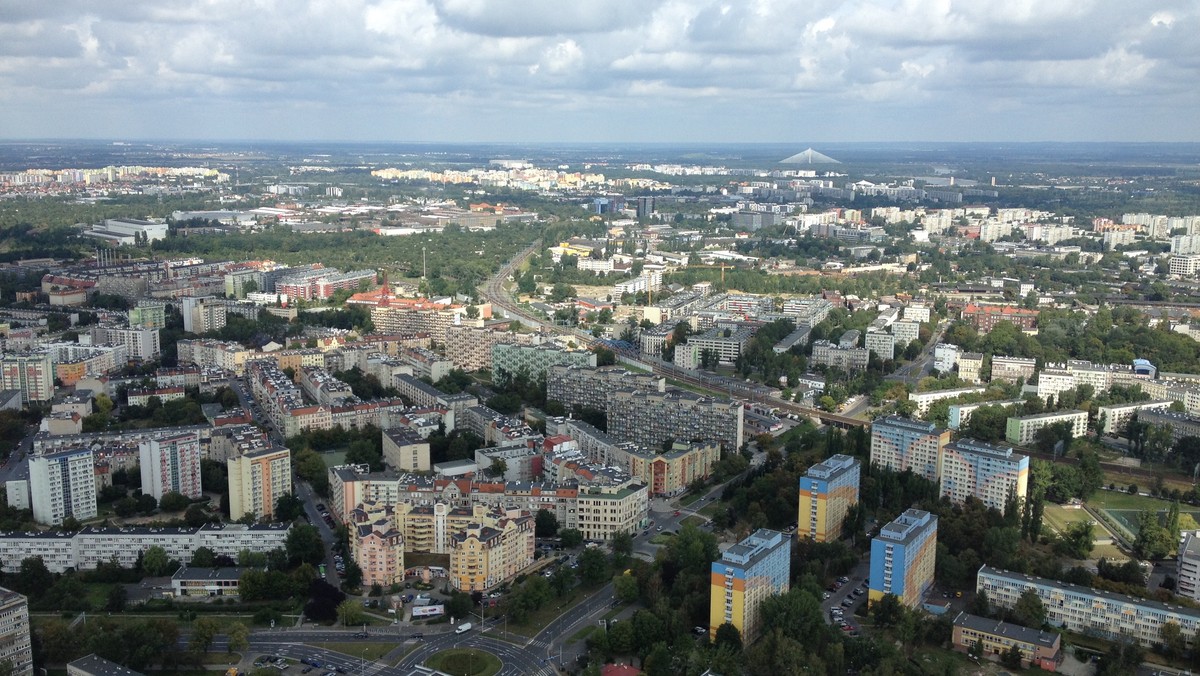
(700, 69)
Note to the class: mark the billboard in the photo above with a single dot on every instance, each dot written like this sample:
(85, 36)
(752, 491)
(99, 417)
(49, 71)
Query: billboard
(428, 611)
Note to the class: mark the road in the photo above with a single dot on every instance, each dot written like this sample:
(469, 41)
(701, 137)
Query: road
(922, 365)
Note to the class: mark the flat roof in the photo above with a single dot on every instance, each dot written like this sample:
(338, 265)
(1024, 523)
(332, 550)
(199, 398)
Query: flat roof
(98, 666)
(1079, 589)
(1007, 629)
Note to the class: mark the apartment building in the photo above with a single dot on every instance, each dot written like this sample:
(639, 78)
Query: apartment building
(1022, 430)
(970, 367)
(1013, 369)
(667, 473)
(827, 491)
(945, 357)
(16, 649)
(589, 387)
(405, 450)
(62, 484)
(882, 344)
(202, 314)
(906, 331)
(988, 473)
(604, 510)
(404, 316)
(1187, 568)
(1041, 649)
(902, 443)
(470, 347)
(208, 353)
(425, 363)
(1084, 610)
(171, 464)
(825, 353)
(924, 400)
(532, 361)
(257, 479)
(650, 418)
(1113, 419)
(32, 374)
(985, 317)
(483, 557)
(148, 314)
(377, 545)
(1181, 424)
(959, 414)
(139, 343)
(746, 575)
(91, 546)
(725, 342)
(903, 557)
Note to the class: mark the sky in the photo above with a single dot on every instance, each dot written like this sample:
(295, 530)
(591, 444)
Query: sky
(601, 70)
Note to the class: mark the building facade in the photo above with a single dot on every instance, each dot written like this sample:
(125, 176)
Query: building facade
(827, 491)
(171, 464)
(988, 473)
(31, 374)
(1041, 649)
(16, 648)
(901, 443)
(650, 418)
(62, 484)
(903, 557)
(257, 479)
(1022, 430)
(747, 574)
(483, 557)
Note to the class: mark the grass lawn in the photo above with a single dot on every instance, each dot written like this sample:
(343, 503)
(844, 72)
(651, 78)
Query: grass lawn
(543, 616)
(689, 499)
(1059, 517)
(696, 521)
(1106, 499)
(661, 539)
(369, 650)
(1110, 552)
(465, 662)
(710, 510)
(582, 634)
(334, 458)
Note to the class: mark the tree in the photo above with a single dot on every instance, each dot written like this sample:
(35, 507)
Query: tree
(571, 537)
(1076, 541)
(117, 596)
(625, 588)
(195, 516)
(350, 613)
(1012, 657)
(239, 637)
(304, 545)
(622, 547)
(288, 508)
(980, 605)
(593, 566)
(1153, 541)
(204, 557)
(1029, 610)
(155, 561)
(545, 524)
(354, 575)
(499, 467)
(34, 578)
(459, 605)
(728, 636)
(204, 630)
(1171, 637)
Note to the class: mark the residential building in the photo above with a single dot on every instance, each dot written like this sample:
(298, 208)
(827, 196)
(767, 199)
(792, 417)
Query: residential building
(1041, 649)
(1181, 424)
(148, 314)
(882, 344)
(945, 357)
(827, 492)
(970, 367)
(405, 450)
(924, 400)
(602, 511)
(470, 347)
(589, 387)
(1103, 614)
(32, 374)
(902, 443)
(745, 576)
(15, 646)
(532, 361)
(906, 331)
(483, 557)
(257, 479)
(202, 314)
(985, 317)
(1013, 369)
(94, 665)
(650, 418)
(171, 465)
(62, 484)
(377, 544)
(902, 558)
(825, 353)
(141, 344)
(1022, 430)
(1187, 567)
(917, 312)
(1113, 419)
(988, 473)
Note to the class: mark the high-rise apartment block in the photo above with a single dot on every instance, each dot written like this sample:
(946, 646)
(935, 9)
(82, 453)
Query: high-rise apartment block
(171, 464)
(900, 443)
(405, 450)
(484, 556)
(650, 418)
(257, 479)
(148, 314)
(202, 314)
(1022, 430)
(16, 649)
(32, 374)
(532, 361)
(61, 485)
(990, 474)
(903, 556)
(746, 575)
(827, 491)
(589, 387)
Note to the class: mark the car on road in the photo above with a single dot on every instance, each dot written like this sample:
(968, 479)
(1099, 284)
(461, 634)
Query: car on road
(305, 670)
(847, 602)
(825, 596)
(659, 529)
(677, 512)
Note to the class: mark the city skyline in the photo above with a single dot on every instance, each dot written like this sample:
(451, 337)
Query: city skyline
(454, 70)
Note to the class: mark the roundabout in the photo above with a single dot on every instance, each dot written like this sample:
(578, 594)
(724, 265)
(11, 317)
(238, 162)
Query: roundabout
(465, 662)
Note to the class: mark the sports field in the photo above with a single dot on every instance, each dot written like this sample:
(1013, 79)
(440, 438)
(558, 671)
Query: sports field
(1124, 508)
(1059, 517)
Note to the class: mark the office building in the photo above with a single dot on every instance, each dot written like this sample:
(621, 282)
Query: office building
(1022, 430)
(62, 484)
(988, 473)
(604, 510)
(1184, 266)
(16, 649)
(405, 450)
(747, 574)
(1083, 610)
(171, 464)
(205, 583)
(1041, 649)
(31, 374)
(827, 491)
(257, 479)
(903, 557)
(901, 443)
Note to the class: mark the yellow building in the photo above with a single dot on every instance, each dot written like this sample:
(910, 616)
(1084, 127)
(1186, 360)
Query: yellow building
(827, 492)
(377, 545)
(257, 480)
(747, 574)
(483, 556)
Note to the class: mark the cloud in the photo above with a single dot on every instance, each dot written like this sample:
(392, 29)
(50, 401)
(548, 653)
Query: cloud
(695, 70)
